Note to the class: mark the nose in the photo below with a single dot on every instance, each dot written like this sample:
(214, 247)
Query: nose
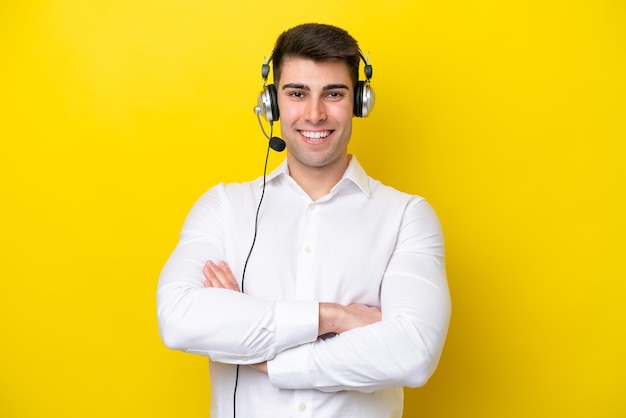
(315, 111)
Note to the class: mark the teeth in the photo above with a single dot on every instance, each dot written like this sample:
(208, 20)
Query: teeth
(315, 134)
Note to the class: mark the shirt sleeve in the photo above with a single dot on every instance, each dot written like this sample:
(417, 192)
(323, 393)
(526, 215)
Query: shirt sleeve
(401, 350)
(228, 326)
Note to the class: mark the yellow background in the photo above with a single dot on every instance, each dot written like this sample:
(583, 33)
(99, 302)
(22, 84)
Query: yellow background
(508, 116)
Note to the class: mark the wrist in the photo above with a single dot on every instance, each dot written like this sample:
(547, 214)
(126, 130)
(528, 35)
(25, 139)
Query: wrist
(260, 367)
(328, 318)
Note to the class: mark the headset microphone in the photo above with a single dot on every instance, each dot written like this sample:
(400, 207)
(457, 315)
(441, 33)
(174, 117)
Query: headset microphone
(276, 143)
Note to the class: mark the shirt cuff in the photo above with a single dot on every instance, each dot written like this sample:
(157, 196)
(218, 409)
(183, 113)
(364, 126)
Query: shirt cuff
(297, 323)
(290, 369)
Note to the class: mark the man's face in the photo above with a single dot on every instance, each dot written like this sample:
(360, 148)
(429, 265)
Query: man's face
(315, 101)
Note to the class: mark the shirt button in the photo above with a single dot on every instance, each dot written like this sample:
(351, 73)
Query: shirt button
(302, 407)
(311, 206)
(307, 250)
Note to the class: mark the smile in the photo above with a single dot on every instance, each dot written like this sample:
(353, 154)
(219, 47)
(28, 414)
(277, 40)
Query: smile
(315, 135)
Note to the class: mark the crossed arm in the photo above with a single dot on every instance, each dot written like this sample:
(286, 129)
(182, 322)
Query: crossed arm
(372, 352)
(333, 318)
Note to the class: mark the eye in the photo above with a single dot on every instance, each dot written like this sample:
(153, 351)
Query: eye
(335, 95)
(295, 94)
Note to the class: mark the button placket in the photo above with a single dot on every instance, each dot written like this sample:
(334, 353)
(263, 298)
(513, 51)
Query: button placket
(306, 262)
(303, 403)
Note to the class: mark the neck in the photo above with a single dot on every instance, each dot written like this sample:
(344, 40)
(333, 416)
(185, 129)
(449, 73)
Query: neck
(317, 182)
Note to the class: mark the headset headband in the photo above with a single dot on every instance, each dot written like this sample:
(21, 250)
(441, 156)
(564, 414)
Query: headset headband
(265, 68)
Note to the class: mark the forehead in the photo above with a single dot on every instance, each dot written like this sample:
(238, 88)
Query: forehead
(309, 72)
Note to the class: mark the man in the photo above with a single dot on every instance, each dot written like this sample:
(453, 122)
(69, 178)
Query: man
(343, 298)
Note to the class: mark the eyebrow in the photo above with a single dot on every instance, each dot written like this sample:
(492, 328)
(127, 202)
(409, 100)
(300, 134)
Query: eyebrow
(301, 86)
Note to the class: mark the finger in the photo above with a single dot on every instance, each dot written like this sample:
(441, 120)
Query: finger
(226, 268)
(210, 280)
(227, 277)
(221, 276)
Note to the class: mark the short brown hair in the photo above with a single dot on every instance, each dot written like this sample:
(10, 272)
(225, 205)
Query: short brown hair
(318, 42)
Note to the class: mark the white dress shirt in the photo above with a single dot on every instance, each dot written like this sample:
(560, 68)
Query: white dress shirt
(364, 243)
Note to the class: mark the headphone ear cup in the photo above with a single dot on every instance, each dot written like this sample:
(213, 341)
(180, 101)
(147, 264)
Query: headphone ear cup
(273, 102)
(268, 103)
(364, 99)
(358, 99)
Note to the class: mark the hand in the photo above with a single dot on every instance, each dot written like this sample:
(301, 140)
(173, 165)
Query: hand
(335, 318)
(219, 276)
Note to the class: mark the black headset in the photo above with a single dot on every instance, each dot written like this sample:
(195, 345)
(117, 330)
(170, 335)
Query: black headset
(364, 97)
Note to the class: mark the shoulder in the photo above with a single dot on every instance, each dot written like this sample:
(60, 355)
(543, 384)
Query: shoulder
(227, 191)
(408, 206)
(383, 192)
(227, 196)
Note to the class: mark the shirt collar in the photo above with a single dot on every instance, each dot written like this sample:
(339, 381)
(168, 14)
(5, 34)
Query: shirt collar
(354, 174)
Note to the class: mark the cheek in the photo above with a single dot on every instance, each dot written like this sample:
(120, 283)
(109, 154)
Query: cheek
(346, 115)
(346, 109)
(287, 111)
